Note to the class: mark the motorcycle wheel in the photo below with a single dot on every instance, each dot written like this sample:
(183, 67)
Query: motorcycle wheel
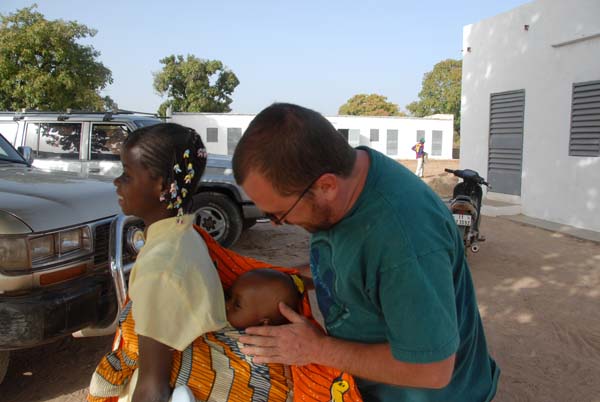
(464, 234)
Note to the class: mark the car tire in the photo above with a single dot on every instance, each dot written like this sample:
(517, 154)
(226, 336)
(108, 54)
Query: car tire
(4, 359)
(218, 215)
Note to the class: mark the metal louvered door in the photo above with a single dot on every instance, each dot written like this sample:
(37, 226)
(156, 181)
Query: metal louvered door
(507, 114)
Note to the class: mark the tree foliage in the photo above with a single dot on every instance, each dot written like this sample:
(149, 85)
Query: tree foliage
(195, 85)
(369, 105)
(440, 92)
(43, 67)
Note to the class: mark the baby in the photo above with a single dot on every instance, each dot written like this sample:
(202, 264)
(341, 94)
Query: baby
(254, 297)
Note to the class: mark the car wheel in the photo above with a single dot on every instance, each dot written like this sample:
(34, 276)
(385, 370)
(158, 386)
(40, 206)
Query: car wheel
(4, 358)
(218, 215)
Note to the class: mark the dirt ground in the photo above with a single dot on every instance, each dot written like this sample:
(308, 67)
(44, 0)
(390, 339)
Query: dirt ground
(538, 292)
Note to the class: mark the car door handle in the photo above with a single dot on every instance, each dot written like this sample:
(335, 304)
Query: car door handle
(94, 170)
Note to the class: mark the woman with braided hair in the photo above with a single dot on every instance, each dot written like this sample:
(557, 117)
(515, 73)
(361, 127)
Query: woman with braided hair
(176, 330)
(173, 281)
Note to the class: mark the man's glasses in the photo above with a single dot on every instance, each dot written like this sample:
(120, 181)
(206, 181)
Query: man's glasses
(281, 220)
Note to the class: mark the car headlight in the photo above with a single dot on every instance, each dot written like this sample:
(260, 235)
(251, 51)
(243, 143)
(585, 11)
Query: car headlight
(70, 241)
(135, 239)
(41, 248)
(13, 253)
(21, 253)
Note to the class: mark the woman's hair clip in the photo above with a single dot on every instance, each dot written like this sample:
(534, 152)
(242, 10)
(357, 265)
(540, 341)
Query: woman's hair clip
(186, 154)
(184, 192)
(178, 202)
(202, 153)
(176, 168)
(180, 215)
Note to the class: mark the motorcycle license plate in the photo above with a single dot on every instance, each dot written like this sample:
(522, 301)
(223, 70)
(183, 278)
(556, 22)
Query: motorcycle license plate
(462, 220)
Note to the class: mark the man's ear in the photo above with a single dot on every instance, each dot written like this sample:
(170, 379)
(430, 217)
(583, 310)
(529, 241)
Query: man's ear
(327, 185)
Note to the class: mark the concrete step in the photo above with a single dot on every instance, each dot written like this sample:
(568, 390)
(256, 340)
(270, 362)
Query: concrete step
(499, 208)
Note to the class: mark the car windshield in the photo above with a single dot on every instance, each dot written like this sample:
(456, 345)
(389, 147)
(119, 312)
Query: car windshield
(146, 122)
(8, 153)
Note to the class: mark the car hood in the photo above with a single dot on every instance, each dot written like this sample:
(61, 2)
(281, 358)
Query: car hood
(51, 200)
(219, 161)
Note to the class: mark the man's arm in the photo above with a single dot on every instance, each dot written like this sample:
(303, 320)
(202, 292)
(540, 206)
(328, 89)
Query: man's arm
(301, 343)
(155, 360)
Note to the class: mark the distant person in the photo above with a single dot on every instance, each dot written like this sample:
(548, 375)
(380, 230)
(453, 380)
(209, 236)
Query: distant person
(386, 258)
(419, 149)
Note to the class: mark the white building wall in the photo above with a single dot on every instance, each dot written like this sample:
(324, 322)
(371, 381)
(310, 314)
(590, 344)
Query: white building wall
(406, 127)
(222, 121)
(528, 48)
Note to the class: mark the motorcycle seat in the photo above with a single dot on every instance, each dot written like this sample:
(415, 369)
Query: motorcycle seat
(462, 198)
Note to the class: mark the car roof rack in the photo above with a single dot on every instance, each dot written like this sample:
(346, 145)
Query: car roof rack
(62, 116)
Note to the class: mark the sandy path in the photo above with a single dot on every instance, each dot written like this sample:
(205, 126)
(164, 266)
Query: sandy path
(539, 294)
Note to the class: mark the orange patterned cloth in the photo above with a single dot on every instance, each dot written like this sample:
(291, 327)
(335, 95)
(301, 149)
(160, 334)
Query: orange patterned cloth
(213, 367)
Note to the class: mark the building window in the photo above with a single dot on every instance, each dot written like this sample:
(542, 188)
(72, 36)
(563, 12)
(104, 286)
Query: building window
(392, 142)
(54, 140)
(106, 142)
(584, 139)
(354, 137)
(212, 134)
(374, 134)
(420, 134)
(233, 137)
(436, 142)
(344, 132)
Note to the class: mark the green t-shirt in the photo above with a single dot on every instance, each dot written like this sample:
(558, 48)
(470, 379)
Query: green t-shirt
(393, 270)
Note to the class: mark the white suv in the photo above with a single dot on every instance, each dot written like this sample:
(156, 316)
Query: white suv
(89, 144)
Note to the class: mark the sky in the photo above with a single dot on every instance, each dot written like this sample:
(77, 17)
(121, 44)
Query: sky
(314, 53)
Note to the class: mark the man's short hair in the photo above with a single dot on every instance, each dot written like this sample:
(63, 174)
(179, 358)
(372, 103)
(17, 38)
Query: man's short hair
(291, 146)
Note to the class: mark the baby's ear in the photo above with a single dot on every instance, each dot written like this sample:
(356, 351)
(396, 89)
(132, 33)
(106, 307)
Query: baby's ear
(265, 321)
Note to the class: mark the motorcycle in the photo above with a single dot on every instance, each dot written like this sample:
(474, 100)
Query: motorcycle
(466, 206)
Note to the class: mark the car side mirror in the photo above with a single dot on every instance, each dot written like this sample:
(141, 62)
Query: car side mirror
(27, 154)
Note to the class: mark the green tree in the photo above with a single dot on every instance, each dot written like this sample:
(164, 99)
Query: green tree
(194, 85)
(440, 92)
(109, 104)
(43, 67)
(369, 105)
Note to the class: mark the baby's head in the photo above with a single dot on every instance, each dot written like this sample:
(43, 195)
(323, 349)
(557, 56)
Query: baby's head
(254, 298)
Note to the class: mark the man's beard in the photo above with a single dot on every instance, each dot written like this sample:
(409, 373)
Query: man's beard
(321, 218)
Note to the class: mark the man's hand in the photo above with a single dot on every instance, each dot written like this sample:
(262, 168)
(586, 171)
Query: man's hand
(297, 343)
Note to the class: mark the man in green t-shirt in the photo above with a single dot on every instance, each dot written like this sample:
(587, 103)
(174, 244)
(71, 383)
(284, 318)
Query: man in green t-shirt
(386, 259)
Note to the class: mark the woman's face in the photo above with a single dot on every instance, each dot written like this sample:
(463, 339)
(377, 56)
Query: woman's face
(138, 191)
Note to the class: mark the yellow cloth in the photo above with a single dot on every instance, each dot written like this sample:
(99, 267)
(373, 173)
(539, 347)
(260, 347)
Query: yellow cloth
(175, 281)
